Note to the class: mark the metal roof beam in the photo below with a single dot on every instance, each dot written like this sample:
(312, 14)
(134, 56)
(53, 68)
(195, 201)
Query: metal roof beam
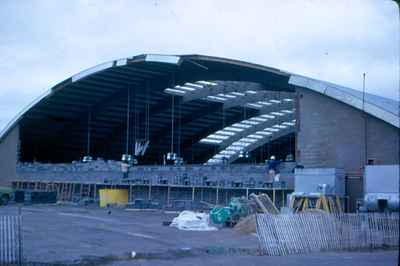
(128, 71)
(147, 71)
(116, 75)
(252, 130)
(213, 127)
(95, 88)
(114, 81)
(155, 109)
(262, 142)
(164, 133)
(91, 81)
(255, 98)
(222, 87)
(96, 109)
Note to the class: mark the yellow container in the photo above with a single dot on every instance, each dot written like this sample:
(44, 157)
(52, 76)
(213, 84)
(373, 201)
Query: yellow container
(113, 197)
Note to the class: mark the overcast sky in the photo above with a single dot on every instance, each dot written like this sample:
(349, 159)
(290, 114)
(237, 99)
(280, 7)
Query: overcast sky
(45, 42)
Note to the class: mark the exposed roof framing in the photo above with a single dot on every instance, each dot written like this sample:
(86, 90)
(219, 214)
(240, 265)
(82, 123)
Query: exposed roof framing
(251, 142)
(214, 92)
(226, 136)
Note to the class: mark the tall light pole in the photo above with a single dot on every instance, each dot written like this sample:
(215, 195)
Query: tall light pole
(365, 124)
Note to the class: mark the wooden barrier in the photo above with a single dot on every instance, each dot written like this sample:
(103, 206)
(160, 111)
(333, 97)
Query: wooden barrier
(10, 240)
(285, 234)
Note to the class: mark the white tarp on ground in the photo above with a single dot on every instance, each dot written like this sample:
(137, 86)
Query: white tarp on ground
(193, 221)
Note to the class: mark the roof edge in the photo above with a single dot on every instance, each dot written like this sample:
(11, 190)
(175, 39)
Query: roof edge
(338, 93)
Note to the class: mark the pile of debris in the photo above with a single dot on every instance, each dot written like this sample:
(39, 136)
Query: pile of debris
(247, 225)
(240, 214)
(192, 221)
(263, 203)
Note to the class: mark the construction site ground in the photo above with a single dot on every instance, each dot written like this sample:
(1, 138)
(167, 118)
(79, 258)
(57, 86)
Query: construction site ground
(77, 235)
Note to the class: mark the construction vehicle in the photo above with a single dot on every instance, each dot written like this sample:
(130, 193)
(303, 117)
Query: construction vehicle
(239, 208)
(230, 215)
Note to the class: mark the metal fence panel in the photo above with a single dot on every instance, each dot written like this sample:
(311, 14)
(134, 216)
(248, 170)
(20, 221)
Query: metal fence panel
(10, 240)
(311, 232)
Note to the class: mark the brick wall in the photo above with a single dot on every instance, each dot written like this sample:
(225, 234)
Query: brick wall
(332, 134)
(8, 157)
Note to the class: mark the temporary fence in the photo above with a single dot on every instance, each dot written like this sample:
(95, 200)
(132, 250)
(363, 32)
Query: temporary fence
(306, 232)
(10, 240)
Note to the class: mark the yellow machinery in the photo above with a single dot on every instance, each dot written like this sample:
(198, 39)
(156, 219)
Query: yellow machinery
(113, 197)
(327, 203)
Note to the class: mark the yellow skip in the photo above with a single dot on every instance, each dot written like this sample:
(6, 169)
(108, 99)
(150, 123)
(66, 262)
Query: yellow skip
(113, 197)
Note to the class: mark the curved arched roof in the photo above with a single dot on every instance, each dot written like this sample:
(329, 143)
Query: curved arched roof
(62, 111)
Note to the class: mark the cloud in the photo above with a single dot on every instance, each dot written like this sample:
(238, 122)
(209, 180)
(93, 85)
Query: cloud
(44, 42)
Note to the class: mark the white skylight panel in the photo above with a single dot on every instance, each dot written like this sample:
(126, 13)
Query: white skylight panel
(238, 93)
(220, 156)
(184, 88)
(255, 136)
(212, 141)
(174, 91)
(234, 148)
(240, 144)
(224, 132)
(250, 122)
(268, 116)
(264, 103)
(271, 129)
(122, 62)
(288, 100)
(279, 126)
(207, 83)
(259, 119)
(226, 95)
(216, 98)
(194, 85)
(255, 105)
(277, 113)
(214, 161)
(287, 111)
(248, 140)
(168, 59)
(227, 152)
(215, 136)
(241, 125)
(264, 133)
(288, 123)
(231, 95)
(251, 91)
(234, 129)
(275, 101)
